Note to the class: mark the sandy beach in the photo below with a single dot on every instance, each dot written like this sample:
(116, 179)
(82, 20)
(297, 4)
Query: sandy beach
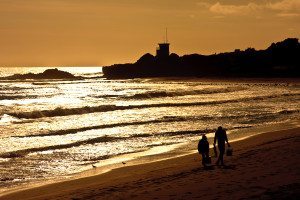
(265, 166)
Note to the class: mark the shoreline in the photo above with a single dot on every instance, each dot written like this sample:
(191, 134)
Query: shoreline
(154, 154)
(90, 176)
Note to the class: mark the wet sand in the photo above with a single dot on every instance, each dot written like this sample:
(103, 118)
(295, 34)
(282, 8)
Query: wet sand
(265, 166)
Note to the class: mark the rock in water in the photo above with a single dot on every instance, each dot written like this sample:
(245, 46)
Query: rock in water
(47, 74)
(55, 74)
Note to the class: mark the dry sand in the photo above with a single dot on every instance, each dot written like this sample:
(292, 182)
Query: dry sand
(266, 166)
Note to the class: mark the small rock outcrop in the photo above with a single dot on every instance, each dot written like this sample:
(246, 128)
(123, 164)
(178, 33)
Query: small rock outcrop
(47, 74)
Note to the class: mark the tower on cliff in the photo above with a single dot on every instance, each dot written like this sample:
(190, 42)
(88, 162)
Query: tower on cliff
(163, 50)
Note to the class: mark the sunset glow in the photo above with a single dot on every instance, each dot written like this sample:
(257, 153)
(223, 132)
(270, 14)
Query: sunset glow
(93, 33)
(149, 99)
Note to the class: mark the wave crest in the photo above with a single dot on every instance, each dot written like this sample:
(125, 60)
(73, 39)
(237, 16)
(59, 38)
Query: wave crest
(105, 108)
(158, 94)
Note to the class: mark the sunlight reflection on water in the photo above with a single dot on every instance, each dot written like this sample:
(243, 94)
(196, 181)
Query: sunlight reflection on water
(54, 128)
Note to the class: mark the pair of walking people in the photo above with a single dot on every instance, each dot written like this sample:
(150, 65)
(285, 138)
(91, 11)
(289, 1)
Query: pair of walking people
(203, 146)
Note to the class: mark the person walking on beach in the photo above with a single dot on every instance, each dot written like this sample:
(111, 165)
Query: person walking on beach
(221, 137)
(203, 149)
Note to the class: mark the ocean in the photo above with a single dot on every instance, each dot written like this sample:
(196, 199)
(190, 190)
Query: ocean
(51, 129)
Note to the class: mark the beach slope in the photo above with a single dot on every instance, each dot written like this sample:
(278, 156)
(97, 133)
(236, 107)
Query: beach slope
(265, 166)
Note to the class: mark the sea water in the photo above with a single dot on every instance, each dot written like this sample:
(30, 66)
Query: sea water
(55, 128)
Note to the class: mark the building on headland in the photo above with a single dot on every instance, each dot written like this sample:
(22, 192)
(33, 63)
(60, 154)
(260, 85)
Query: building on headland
(163, 49)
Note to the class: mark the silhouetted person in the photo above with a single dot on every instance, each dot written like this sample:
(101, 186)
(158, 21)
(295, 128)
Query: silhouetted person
(221, 137)
(203, 149)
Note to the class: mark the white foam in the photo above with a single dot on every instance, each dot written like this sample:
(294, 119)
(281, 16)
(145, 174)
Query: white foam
(7, 119)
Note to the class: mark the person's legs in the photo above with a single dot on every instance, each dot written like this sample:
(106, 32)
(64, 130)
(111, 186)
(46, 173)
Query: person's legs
(203, 159)
(221, 155)
(207, 154)
(219, 158)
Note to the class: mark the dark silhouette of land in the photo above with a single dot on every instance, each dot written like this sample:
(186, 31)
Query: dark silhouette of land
(279, 60)
(47, 74)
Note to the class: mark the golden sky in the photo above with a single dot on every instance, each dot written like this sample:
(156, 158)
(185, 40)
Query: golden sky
(103, 32)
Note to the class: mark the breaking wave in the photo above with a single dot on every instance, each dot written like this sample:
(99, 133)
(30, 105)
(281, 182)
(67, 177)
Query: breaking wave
(82, 129)
(157, 94)
(102, 139)
(22, 153)
(243, 118)
(106, 108)
(6, 119)
(14, 97)
(64, 82)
